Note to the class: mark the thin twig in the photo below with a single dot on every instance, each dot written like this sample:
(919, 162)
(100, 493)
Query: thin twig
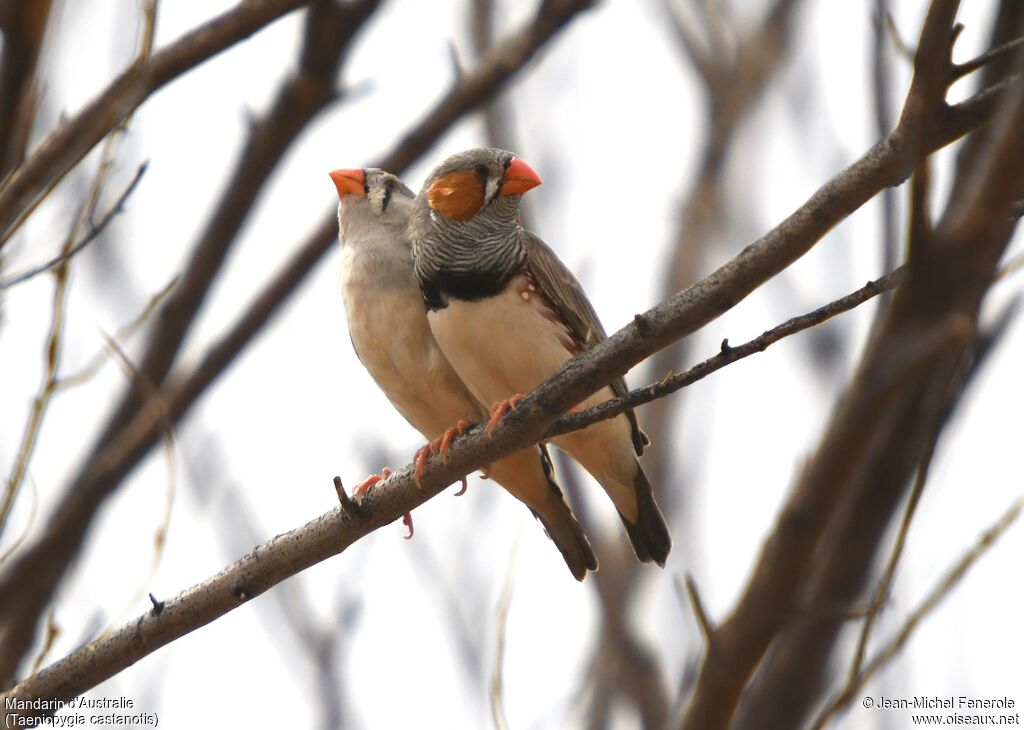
(52, 632)
(707, 629)
(941, 590)
(346, 501)
(122, 334)
(888, 577)
(500, 639)
(54, 340)
(33, 510)
(901, 45)
(95, 229)
(156, 402)
(727, 356)
(1007, 49)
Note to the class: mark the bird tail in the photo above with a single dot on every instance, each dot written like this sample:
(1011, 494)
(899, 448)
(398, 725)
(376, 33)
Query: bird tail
(649, 534)
(563, 528)
(532, 481)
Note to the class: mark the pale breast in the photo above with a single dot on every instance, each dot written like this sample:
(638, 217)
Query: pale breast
(505, 344)
(392, 338)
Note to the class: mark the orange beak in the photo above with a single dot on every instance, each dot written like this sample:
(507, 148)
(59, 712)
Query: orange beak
(349, 181)
(519, 177)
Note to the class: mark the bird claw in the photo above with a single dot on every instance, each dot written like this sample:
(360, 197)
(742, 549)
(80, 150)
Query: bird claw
(364, 486)
(419, 461)
(465, 486)
(499, 408)
(407, 521)
(439, 445)
(443, 442)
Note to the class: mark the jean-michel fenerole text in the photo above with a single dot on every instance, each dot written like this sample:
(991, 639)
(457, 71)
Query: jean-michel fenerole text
(922, 702)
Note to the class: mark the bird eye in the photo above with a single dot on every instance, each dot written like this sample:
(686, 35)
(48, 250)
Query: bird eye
(390, 186)
(481, 170)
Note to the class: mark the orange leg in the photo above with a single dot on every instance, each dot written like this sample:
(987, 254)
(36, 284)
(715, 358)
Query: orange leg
(499, 408)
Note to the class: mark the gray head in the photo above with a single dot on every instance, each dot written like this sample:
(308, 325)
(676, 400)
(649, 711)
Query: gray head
(465, 230)
(470, 182)
(371, 197)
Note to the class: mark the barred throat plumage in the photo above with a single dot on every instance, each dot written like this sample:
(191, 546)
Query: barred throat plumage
(472, 260)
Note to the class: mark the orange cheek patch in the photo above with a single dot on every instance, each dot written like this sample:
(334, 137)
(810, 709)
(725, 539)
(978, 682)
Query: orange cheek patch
(457, 196)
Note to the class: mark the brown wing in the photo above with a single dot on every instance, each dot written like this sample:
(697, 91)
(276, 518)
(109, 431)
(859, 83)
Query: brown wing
(570, 303)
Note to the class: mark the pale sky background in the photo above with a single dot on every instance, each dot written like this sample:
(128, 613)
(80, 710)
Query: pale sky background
(612, 120)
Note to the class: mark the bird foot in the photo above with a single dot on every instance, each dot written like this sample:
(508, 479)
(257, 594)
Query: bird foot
(363, 487)
(418, 462)
(499, 408)
(443, 442)
(439, 445)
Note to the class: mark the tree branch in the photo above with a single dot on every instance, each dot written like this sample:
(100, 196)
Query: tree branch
(23, 26)
(329, 28)
(821, 547)
(36, 571)
(66, 146)
(728, 355)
